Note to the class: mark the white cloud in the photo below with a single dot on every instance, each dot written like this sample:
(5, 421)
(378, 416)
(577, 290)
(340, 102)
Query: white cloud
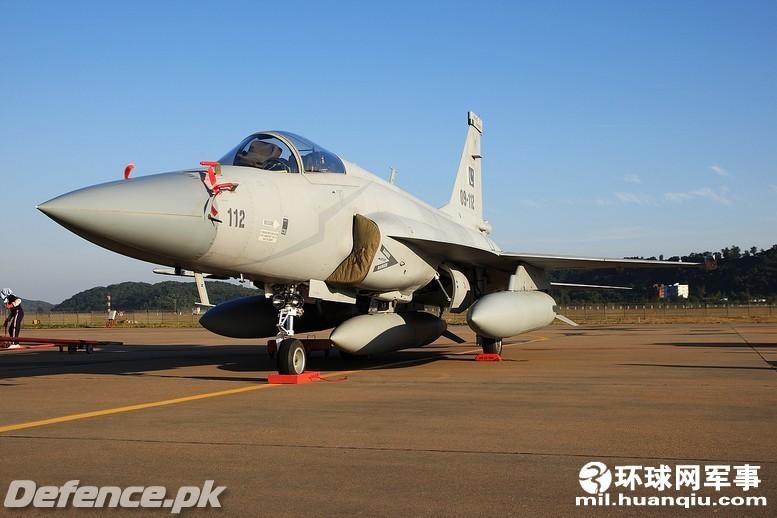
(677, 197)
(718, 170)
(720, 196)
(634, 198)
(632, 178)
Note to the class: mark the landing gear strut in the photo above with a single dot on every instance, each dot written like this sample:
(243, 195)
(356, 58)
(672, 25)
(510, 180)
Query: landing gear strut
(490, 345)
(291, 354)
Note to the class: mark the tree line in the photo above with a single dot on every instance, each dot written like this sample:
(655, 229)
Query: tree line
(137, 296)
(741, 276)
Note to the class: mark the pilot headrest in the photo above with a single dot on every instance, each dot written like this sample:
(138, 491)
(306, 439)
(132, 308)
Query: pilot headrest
(261, 150)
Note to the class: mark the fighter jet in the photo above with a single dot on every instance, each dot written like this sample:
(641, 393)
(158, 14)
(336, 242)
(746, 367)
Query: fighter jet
(328, 245)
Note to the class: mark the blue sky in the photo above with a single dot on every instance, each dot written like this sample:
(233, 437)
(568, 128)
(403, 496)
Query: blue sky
(611, 128)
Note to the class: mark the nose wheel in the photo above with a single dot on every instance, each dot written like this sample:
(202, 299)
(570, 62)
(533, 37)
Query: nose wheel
(292, 356)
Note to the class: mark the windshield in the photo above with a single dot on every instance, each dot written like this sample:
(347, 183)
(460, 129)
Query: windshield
(315, 159)
(269, 152)
(263, 152)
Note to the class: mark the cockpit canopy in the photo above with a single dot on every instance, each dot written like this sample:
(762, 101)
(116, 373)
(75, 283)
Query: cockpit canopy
(283, 151)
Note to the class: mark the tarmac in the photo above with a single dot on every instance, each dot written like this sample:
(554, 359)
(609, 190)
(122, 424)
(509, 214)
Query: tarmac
(427, 431)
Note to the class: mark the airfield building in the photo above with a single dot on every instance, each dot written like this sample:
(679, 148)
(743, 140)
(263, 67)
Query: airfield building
(676, 290)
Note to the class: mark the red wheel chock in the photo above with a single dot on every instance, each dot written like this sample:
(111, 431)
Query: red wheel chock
(488, 357)
(293, 379)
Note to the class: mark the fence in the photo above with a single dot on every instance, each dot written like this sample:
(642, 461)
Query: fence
(145, 318)
(658, 313)
(668, 313)
(583, 314)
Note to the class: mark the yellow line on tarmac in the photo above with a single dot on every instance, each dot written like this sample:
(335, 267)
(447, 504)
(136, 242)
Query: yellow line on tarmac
(143, 406)
(196, 397)
(129, 408)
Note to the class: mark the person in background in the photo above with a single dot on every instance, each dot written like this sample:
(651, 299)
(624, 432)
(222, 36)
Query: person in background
(13, 322)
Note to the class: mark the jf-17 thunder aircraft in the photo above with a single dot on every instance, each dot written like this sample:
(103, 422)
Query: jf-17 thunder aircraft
(328, 245)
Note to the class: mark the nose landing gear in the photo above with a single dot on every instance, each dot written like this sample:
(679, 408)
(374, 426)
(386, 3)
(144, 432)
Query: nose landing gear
(291, 354)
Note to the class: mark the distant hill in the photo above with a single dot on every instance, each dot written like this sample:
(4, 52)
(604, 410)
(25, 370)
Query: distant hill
(135, 296)
(36, 306)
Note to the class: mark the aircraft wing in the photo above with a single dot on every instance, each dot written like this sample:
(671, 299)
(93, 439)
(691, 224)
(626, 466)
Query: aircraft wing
(434, 242)
(560, 262)
(508, 261)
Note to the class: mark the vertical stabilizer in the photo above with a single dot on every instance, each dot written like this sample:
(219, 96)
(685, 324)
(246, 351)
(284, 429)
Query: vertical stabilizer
(466, 203)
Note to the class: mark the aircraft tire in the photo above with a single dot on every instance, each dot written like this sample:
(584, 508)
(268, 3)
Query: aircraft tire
(491, 345)
(292, 357)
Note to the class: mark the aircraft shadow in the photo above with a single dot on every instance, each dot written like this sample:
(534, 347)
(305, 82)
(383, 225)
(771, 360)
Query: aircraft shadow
(162, 361)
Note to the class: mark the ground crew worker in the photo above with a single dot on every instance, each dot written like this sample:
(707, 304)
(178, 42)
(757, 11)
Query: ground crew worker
(13, 322)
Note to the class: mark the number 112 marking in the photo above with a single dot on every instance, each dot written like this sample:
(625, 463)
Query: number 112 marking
(237, 218)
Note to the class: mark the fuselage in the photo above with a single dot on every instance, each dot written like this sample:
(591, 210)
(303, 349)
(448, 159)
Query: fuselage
(298, 226)
(272, 227)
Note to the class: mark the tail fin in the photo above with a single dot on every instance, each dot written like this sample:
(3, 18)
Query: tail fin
(466, 203)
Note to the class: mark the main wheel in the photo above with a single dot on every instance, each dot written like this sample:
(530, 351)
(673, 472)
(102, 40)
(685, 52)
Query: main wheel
(491, 345)
(291, 356)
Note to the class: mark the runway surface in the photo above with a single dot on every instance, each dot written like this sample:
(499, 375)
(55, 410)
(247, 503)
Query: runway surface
(422, 432)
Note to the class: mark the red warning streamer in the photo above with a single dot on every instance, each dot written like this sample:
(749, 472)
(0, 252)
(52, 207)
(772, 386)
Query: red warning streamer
(213, 186)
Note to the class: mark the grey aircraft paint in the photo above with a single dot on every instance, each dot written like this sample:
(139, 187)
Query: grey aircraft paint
(280, 210)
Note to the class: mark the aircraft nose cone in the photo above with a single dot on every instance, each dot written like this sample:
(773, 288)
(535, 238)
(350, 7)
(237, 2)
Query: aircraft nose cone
(153, 217)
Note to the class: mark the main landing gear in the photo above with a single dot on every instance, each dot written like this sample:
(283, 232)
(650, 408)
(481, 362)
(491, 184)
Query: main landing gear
(490, 345)
(291, 354)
